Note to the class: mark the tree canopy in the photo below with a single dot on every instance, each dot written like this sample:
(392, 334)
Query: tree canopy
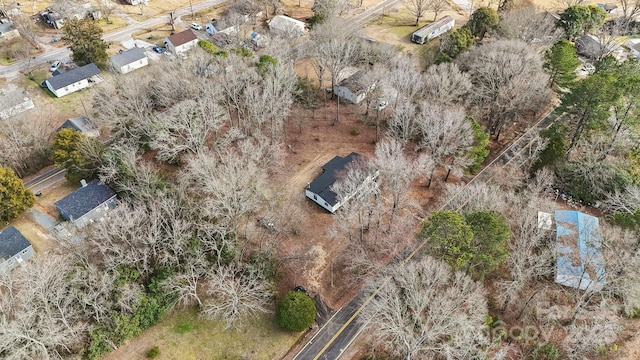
(296, 311)
(578, 20)
(84, 38)
(562, 61)
(489, 244)
(14, 198)
(483, 20)
(70, 152)
(449, 238)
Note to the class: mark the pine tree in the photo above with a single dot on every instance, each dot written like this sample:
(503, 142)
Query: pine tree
(84, 38)
(14, 198)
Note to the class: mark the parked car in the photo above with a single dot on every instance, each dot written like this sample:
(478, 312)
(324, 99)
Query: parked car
(196, 26)
(158, 49)
(55, 65)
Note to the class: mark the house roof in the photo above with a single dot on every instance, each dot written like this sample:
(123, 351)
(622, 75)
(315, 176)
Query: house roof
(182, 38)
(12, 242)
(434, 25)
(285, 23)
(73, 76)
(6, 27)
(331, 171)
(81, 124)
(353, 82)
(580, 262)
(127, 57)
(85, 199)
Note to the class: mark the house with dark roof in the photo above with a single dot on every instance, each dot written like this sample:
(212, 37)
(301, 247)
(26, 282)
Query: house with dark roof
(82, 124)
(14, 249)
(181, 42)
(73, 80)
(320, 190)
(129, 60)
(86, 204)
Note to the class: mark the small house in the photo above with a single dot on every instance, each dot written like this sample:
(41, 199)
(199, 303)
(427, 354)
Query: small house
(181, 42)
(320, 190)
(13, 102)
(129, 60)
(14, 249)
(433, 30)
(86, 204)
(73, 80)
(8, 31)
(210, 28)
(286, 26)
(596, 48)
(351, 88)
(82, 124)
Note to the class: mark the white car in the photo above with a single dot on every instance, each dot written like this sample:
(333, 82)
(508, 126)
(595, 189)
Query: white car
(55, 65)
(196, 26)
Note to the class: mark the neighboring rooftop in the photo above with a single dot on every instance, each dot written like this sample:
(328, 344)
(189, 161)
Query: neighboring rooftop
(580, 262)
(182, 37)
(12, 242)
(82, 124)
(128, 57)
(73, 76)
(85, 199)
(331, 171)
(353, 82)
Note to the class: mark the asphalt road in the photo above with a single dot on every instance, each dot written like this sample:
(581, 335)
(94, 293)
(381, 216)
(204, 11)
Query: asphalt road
(343, 328)
(122, 34)
(45, 180)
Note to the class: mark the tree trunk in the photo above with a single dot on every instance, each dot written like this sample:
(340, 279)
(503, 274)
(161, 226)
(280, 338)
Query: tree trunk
(577, 132)
(448, 173)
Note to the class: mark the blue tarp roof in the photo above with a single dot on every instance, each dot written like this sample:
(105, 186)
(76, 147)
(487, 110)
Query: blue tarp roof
(580, 262)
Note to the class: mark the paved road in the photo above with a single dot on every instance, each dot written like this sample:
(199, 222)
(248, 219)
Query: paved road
(45, 180)
(118, 35)
(345, 326)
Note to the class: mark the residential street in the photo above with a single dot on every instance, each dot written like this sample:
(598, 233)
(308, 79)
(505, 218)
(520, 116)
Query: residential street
(123, 34)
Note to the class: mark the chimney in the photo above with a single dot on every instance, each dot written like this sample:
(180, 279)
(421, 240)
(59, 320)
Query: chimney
(83, 182)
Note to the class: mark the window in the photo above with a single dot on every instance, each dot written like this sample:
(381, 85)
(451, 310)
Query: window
(315, 197)
(325, 204)
(25, 250)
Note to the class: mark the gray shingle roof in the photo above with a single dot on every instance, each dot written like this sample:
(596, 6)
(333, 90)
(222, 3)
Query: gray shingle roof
(128, 57)
(331, 171)
(81, 124)
(83, 200)
(73, 76)
(12, 242)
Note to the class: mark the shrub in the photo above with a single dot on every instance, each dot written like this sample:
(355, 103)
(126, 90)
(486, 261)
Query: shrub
(354, 132)
(545, 352)
(242, 52)
(153, 352)
(211, 48)
(296, 311)
(479, 151)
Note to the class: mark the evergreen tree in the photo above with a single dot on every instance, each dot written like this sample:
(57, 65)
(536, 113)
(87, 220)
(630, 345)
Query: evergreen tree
(84, 38)
(14, 198)
(562, 61)
(296, 311)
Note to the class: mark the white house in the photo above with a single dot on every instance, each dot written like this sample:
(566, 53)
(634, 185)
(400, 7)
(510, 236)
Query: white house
(129, 60)
(84, 205)
(14, 249)
(286, 26)
(73, 80)
(351, 88)
(433, 30)
(320, 190)
(181, 42)
(14, 102)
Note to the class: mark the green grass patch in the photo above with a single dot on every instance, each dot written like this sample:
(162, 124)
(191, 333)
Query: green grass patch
(116, 23)
(186, 336)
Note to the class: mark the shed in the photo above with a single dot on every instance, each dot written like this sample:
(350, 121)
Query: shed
(579, 263)
(73, 80)
(433, 30)
(181, 42)
(320, 190)
(285, 26)
(14, 249)
(129, 60)
(82, 124)
(84, 205)
(13, 102)
(8, 31)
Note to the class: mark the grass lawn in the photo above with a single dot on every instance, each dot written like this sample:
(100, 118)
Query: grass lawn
(183, 335)
(116, 23)
(155, 35)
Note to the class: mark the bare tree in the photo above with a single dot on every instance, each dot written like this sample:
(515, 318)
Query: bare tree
(41, 319)
(424, 309)
(445, 84)
(530, 25)
(184, 285)
(235, 294)
(508, 80)
(106, 7)
(437, 6)
(630, 10)
(446, 135)
(402, 124)
(626, 201)
(417, 8)
(406, 80)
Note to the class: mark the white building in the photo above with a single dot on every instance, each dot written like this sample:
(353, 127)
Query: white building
(14, 249)
(433, 30)
(14, 102)
(73, 80)
(181, 42)
(286, 26)
(129, 60)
